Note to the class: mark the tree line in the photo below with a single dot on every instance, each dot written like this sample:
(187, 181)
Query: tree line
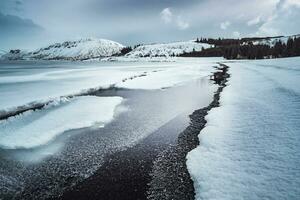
(245, 49)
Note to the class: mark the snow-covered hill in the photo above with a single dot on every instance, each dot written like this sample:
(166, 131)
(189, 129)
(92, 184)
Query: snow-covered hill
(2, 52)
(15, 54)
(70, 50)
(271, 41)
(167, 49)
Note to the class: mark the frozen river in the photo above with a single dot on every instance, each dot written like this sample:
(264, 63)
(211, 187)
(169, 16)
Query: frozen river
(55, 146)
(73, 114)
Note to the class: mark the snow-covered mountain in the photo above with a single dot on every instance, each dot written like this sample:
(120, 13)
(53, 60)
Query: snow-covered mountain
(70, 50)
(167, 49)
(15, 54)
(2, 52)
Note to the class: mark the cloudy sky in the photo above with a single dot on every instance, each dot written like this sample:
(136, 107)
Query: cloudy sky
(33, 23)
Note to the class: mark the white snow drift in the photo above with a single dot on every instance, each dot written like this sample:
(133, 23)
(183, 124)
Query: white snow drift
(36, 128)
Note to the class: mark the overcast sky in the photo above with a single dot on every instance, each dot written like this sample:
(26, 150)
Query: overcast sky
(30, 24)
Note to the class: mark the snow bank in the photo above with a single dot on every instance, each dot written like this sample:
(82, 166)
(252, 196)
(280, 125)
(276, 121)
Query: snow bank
(167, 49)
(249, 148)
(36, 128)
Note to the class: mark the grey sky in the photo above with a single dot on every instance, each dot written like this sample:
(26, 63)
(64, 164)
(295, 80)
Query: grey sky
(32, 23)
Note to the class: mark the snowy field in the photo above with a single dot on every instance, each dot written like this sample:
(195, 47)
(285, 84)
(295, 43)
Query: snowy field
(249, 148)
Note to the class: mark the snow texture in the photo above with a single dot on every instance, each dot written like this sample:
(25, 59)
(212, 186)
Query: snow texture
(167, 49)
(272, 41)
(70, 50)
(35, 128)
(22, 85)
(249, 148)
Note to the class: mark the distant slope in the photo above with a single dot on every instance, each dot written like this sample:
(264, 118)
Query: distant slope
(70, 50)
(167, 49)
(250, 48)
(270, 41)
(15, 54)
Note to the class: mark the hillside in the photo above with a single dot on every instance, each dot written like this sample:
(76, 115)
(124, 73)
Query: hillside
(167, 49)
(250, 48)
(70, 50)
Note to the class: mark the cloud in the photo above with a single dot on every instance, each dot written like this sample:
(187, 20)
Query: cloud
(286, 4)
(182, 24)
(224, 25)
(19, 2)
(16, 30)
(10, 23)
(283, 21)
(166, 15)
(150, 21)
(254, 21)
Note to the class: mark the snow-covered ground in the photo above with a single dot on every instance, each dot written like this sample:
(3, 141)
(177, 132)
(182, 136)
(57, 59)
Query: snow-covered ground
(36, 128)
(249, 148)
(167, 49)
(66, 141)
(30, 82)
(24, 84)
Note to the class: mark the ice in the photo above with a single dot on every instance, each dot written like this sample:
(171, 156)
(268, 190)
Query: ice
(35, 128)
(249, 148)
(24, 84)
(178, 73)
(167, 78)
(41, 82)
(46, 83)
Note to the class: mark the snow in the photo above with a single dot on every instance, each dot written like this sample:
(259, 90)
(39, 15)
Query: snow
(24, 85)
(272, 41)
(167, 49)
(14, 55)
(175, 74)
(71, 50)
(60, 87)
(21, 87)
(93, 48)
(249, 148)
(35, 128)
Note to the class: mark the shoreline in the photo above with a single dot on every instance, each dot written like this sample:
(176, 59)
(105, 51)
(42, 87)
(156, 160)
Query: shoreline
(156, 167)
(170, 177)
